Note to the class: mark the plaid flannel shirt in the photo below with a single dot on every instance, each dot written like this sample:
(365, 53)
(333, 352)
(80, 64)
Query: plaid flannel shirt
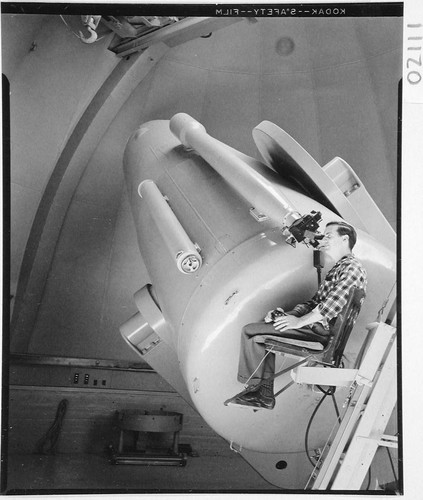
(332, 295)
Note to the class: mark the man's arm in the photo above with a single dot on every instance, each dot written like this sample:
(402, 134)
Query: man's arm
(289, 322)
(304, 308)
(321, 311)
(300, 309)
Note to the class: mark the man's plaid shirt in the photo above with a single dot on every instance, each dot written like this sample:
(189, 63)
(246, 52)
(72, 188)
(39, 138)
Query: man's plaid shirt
(332, 295)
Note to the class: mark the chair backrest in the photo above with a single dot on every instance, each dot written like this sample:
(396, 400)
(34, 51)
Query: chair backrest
(343, 326)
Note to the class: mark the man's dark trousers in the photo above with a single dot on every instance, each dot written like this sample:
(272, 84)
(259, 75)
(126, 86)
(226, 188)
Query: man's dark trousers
(252, 353)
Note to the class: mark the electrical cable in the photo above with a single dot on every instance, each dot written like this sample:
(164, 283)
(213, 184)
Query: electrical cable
(47, 444)
(308, 429)
(392, 465)
(336, 407)
(70, 29)
(382, 309)
(329, 392)
(370, 479)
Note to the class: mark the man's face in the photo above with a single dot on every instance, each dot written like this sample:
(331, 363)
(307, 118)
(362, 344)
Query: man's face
(333, 243)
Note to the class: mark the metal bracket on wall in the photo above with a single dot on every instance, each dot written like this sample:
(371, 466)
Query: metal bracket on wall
(179, 32)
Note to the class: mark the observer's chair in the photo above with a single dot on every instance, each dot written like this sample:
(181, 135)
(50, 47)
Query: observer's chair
(327, 351)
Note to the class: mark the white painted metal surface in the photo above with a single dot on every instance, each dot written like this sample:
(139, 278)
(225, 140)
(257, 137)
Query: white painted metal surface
(248, 268)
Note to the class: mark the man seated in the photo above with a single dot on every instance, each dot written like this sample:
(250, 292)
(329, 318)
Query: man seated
(312, 319)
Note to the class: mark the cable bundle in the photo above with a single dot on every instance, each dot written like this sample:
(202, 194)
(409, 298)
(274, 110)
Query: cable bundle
(47, 444)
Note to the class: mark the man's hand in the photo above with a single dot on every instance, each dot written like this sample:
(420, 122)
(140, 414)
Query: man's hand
(287, 323)
(290, 321)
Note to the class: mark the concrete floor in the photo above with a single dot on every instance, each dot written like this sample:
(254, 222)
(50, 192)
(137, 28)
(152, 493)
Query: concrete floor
(38, 474)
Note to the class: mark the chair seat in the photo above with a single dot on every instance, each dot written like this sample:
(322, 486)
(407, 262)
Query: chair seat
(277, 343)
(298, 335)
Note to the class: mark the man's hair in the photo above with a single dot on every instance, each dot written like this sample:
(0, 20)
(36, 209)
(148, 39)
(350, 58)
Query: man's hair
(344, 228)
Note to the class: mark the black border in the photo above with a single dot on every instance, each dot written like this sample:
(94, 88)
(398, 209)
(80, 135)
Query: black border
(385, 9)
(6, 278)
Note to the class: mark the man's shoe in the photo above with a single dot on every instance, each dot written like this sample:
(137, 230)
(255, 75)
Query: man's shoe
(267, 401)
(250, 400)
(257, 400)
(251, 395)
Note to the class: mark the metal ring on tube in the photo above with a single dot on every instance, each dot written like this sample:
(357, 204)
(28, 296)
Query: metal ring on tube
(180, 247)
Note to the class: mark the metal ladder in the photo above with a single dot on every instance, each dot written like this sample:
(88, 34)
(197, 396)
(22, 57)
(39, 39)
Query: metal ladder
(344, 463)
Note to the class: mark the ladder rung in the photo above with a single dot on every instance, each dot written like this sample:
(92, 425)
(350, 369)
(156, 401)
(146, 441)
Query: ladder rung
(388, 441)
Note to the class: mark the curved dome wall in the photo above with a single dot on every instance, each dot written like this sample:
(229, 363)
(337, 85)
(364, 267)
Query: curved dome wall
(335, 93)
